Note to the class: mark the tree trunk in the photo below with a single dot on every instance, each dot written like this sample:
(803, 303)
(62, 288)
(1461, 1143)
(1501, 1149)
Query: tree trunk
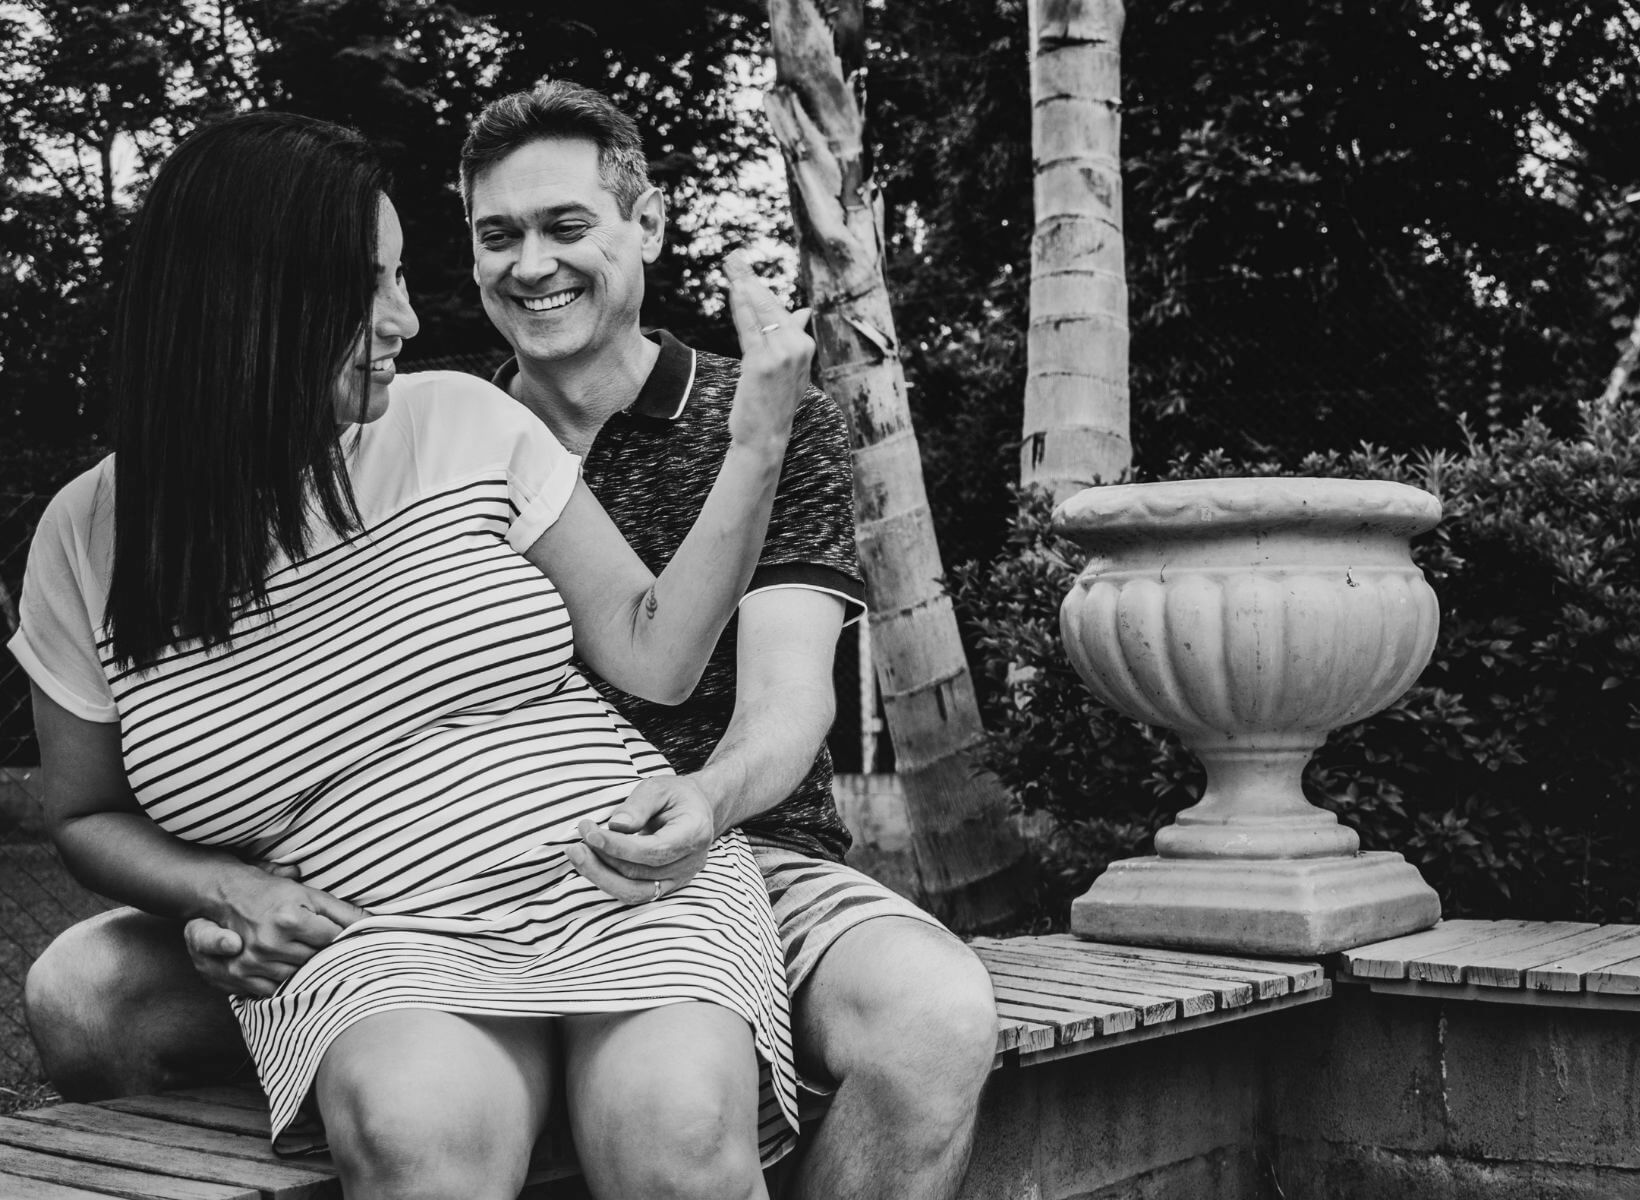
(1626, 361)
(973, 866)
(1076, 382)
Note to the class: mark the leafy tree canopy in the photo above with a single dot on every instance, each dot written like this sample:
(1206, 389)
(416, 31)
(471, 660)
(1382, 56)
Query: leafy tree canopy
(1344, 219)
(93, 95)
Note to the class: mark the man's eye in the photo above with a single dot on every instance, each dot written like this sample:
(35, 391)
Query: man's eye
(569, 232)
(494, 240)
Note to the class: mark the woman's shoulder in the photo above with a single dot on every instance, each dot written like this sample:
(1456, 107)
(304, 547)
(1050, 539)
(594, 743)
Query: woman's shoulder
(83, 507)
(429, 397)
(456, 417)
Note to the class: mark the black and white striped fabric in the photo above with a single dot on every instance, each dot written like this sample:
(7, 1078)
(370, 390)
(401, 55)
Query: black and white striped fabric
(401, 723)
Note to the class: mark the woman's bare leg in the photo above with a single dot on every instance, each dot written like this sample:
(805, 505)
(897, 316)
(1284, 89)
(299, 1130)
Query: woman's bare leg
(663, 1104)
(426, 1105)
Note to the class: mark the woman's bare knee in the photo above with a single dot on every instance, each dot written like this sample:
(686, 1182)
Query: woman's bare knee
(116, 1007)
(426, 1105)
(664, 1104)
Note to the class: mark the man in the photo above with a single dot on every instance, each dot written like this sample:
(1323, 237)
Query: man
(889, 1010)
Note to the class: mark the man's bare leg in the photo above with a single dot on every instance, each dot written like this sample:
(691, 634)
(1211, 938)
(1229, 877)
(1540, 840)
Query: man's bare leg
(901, 1016)
(117, 1009)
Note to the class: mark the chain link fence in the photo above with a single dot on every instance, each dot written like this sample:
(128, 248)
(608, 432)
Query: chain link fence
(37, 898)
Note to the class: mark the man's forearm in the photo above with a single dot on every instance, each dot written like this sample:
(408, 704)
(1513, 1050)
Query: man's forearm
(764, 754)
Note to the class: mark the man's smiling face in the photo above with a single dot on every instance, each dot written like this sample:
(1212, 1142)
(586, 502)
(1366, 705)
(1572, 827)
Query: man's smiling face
(559, 268)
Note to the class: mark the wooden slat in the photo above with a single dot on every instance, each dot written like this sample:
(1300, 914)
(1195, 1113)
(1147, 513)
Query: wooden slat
(275, 1181)
(1565, 973)
(1175, 984)
(1302, 973)
(1228, 991)
(114, 1181)
(1027, 969)
(1504, 962)
(1075, 982)
(1151, 1009)
(1091, 1020)
(1148, 1033)
(1016, 1033)
(17, 1187)
(234, 1096)
(1010, 1031)
(1267, 977)
(1527, 997)
(1618, 979)
(1388, 960)
(1110, 1017)
(195, 1112)
(1448, 966)
(97, 1119)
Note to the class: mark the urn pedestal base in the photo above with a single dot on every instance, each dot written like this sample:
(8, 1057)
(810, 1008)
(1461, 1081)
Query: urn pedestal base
(1284, 907)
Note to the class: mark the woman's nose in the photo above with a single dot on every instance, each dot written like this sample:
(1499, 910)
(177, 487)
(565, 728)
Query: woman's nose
(395, 318)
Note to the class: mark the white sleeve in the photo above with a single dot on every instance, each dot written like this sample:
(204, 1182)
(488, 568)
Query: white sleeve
(465, 427)
(65, 595)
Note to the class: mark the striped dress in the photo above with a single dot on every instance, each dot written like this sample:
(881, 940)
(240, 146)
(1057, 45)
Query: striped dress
(401, 723)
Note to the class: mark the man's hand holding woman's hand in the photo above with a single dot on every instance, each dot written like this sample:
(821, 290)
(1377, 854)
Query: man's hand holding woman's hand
(270, 924)
(775, 353)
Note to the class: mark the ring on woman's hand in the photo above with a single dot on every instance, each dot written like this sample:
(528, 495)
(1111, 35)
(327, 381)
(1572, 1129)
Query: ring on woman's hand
(657, 894)
(770, 328)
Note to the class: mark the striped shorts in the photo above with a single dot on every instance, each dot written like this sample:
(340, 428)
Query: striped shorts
(816, 901)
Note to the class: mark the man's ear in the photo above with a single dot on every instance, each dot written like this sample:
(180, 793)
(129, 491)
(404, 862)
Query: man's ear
(649, 211)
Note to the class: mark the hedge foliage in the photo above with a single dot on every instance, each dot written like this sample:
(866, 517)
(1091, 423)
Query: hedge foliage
(1508, 774)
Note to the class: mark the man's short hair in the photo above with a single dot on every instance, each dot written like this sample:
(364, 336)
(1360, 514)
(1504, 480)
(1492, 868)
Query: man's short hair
(558, 109)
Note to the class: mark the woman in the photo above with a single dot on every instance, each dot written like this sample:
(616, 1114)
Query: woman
(321, 619)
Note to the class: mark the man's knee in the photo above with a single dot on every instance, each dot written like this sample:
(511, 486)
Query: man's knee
(107, 999)
(906, 1010)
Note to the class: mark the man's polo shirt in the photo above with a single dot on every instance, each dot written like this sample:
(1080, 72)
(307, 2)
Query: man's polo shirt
(651, 466)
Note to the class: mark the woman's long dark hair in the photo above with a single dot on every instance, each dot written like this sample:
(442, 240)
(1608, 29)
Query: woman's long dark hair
(248, 288)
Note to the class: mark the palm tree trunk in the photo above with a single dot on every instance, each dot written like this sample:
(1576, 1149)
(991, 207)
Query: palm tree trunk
(1076, 384)
(973, 867)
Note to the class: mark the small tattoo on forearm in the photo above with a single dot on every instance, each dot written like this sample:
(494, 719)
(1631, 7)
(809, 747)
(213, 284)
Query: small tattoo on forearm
(650, 604)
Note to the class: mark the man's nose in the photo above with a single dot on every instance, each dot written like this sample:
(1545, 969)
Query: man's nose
(536, 258)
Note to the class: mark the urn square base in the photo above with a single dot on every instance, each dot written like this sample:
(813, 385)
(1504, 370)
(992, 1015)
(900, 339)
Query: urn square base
(1285, 907)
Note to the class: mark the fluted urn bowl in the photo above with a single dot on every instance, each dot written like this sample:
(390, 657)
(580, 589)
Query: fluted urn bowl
(1253, 617)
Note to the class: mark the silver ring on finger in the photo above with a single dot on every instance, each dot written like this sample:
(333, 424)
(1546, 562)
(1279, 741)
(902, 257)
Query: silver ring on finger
(768, 329)
(657, 893)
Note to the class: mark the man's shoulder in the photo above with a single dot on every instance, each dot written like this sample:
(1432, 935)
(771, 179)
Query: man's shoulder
(712, 391)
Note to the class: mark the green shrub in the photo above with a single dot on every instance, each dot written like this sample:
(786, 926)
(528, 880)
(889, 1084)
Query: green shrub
(1508, 774)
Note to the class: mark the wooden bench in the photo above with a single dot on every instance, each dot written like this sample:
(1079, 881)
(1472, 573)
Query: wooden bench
(1567, 964)
(1056, 996)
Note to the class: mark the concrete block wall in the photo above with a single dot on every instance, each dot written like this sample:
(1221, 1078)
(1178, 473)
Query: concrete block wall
(1381, 1096)
(1360, 1097)
(1172, 1119)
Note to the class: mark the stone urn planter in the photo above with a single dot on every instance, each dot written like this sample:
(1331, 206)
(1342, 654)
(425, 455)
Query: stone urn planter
(1252, 617)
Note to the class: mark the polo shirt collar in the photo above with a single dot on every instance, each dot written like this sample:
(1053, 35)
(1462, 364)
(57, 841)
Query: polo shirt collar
(663, 395)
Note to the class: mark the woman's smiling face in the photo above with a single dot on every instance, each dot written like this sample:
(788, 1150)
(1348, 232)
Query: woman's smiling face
(392, 322)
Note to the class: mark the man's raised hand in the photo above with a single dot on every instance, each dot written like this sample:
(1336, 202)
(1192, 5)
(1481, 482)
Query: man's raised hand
(775, 353)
